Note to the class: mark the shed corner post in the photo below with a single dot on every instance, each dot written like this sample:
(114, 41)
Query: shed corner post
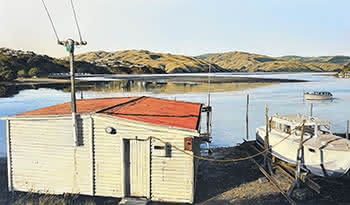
(93, 163)
(9, 157)
(122, 167)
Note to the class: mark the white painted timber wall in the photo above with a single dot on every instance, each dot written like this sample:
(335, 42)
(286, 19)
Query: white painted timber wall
(44, 158)
(107, 160)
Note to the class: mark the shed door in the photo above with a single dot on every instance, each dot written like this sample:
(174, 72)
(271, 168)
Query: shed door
(139, 169)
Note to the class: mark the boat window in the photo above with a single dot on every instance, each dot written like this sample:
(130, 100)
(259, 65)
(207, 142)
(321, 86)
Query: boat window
(286, 129)
(309, 129)
(324, 129)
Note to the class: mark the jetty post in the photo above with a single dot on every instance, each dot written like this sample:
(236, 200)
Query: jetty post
(247, 119)
(311, 107)
(347, 129)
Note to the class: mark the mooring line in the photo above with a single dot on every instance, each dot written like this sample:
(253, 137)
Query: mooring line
(222, 160)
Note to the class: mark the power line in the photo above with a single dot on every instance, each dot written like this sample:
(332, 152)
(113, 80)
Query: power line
(53, 26)
(76, 20)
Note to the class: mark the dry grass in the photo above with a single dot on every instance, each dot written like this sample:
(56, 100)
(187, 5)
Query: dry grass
(41, 80)
(243, 61)
(168, 62)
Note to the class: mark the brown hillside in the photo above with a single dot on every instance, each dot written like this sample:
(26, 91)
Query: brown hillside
(169, 63)
(242, 61)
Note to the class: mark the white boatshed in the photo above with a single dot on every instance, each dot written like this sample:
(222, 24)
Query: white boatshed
(116, 154)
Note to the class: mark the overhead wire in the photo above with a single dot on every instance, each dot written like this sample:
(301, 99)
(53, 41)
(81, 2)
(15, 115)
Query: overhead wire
(76, 20)
(52, 24)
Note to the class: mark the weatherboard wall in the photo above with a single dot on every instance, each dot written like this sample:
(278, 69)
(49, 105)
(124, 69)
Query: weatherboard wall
(44, 158)
(171, 178)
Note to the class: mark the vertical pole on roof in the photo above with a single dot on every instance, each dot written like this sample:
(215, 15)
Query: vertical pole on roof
(347, 129)
(246, 118)
(311, 107)
(70, 46)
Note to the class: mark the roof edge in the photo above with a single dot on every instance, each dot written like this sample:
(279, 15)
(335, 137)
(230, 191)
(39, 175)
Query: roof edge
(193, 132)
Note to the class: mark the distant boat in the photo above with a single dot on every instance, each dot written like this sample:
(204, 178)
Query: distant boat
(344, 75)
(318, 96)
(323, 153)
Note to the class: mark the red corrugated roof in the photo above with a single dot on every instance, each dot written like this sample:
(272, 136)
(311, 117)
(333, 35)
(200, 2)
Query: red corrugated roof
(159, 111)
(145, 109)
(83, 106)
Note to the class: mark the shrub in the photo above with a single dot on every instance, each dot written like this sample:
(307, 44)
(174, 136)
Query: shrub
(34, 72)
(6, 74)
(21, 74)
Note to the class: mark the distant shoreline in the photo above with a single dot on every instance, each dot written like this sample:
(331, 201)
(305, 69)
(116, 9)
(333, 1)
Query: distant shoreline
(8, 89)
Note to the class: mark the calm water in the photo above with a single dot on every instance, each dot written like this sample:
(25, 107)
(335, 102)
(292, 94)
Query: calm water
(228, 101)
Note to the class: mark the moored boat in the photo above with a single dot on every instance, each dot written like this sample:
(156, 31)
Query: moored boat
(323, 154)
(318, 96)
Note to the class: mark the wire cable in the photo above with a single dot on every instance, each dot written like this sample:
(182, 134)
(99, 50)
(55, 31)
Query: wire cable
(76, 20)
(52, 24)
(223, 160)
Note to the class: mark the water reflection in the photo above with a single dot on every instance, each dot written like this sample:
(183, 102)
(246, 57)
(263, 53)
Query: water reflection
(164, 87)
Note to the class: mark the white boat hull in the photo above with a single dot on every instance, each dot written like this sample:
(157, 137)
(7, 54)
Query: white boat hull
(319, 160)
(317, 97)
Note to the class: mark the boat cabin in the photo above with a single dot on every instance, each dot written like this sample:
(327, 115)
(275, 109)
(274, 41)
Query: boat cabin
(288, 123)
(320, 93)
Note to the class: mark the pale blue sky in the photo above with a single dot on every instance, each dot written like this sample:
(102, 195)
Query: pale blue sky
(189, 27)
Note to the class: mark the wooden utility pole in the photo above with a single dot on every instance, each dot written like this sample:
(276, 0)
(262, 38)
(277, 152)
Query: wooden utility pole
(70, 46)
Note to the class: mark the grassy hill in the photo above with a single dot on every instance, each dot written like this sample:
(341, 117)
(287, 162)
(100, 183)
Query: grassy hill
(249, 62)
(17, 63)
(161, 62)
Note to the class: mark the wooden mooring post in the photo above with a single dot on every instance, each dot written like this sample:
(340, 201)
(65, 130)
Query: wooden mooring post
(300, 156)
(267, 162)
(247, 119)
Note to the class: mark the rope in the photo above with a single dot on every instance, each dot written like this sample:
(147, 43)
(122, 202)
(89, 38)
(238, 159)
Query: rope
(223, 160)
(53, 26)
(76, 20)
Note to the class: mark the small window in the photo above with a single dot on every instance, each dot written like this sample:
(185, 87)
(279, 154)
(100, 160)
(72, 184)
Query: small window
(286, 129)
